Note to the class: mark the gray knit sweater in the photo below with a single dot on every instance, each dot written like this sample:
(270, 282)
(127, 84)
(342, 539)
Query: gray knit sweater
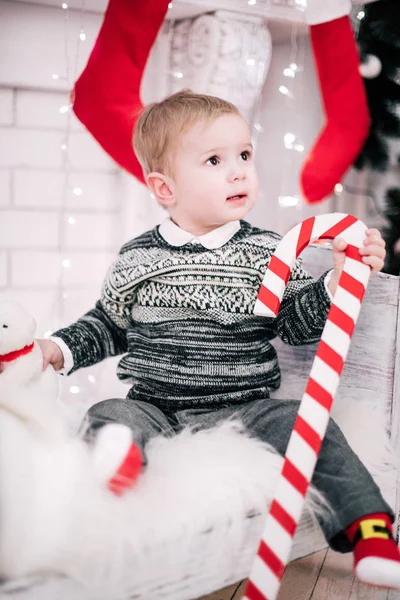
(183, 318)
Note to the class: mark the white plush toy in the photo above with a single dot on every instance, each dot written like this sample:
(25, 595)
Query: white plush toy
(25, 390)
(31, 393)
(39, 461)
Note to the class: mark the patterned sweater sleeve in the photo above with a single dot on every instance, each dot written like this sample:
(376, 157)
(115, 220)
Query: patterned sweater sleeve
(304, 308)
(101, 332)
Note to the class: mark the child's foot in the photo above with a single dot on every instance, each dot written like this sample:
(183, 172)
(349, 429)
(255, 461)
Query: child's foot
(376, 554)
(117, 459)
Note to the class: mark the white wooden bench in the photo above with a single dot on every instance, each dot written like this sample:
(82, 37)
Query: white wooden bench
(369, 385)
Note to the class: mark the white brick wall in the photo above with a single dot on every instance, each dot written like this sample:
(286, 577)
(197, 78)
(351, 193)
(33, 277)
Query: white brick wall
(38, 188)
(39, 303)
(30, 147)
(3, 269)
(5, 187)
(35, 109)
(100, 191)
(93, 232)
(32, 44)
(86, 153)
(6, 107)
(35, 269)
(42, 219)
(45, 188)
(28, 229)
(38, 269)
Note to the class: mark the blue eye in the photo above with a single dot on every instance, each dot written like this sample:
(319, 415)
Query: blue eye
(213, 160)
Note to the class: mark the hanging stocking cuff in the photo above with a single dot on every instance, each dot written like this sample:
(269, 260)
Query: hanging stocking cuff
(322, 11)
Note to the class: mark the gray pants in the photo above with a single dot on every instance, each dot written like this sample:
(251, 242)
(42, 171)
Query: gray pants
(339, 474)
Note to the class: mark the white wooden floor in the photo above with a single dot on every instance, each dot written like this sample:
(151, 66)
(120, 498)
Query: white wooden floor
(324, 575)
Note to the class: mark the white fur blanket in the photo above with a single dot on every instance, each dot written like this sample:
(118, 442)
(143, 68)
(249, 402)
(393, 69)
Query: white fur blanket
(185, 529)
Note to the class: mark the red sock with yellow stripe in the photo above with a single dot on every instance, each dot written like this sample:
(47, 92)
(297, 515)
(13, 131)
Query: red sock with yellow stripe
(376, 554)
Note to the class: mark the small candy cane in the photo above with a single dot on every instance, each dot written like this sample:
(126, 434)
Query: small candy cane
(313, 416)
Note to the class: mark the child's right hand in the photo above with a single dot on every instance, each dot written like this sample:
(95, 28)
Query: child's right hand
(52, 354)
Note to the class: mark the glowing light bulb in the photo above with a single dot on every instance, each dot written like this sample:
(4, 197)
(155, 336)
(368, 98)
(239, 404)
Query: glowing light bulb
(66, 263)
(283, 90)
(178, 74)
(289, 139)
(82, 36)
(64, 109)
(288, 72)
(251, 62)
(74, 389)
(71, 220)
(338, 188)
(170, 5)
(64, 5)
(252, 2)
(360, 15)
(55, 76)
(63, 147)
(286, 201)
(77, 191)
(293, 66)
(292, 143)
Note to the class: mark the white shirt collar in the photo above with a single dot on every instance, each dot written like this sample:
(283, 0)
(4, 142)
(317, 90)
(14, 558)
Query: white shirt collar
(216, 238)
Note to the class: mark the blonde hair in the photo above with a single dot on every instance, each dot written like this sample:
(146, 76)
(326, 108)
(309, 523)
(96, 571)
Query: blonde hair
(159, 126)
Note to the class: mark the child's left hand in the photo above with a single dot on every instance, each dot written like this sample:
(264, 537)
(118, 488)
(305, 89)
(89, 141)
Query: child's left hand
(373, 254)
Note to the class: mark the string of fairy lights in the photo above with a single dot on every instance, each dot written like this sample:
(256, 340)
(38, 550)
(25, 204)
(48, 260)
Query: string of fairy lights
(292, 92)
(291, 140)
(66, 219)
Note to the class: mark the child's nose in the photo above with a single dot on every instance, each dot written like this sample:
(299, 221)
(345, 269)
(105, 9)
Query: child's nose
(237, 173)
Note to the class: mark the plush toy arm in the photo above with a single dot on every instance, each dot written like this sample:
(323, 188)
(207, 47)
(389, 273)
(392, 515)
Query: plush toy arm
(106, 98)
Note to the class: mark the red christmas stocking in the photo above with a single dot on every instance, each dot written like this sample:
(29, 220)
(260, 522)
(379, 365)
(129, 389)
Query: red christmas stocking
(345, 103)
(106, 98)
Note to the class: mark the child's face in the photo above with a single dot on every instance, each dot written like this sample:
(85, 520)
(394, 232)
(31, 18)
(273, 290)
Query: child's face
(214, 177)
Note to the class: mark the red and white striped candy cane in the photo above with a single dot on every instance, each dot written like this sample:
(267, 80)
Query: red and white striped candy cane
(313, 416)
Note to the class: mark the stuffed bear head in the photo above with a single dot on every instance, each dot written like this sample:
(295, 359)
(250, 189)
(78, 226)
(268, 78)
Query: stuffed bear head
(17, 327)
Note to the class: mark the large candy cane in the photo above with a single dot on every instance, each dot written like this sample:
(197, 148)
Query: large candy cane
(313, 416)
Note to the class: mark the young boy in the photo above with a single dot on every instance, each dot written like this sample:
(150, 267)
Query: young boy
(178, 303)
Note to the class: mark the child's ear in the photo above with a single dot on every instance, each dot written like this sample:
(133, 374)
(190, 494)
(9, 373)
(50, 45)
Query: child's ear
(160, 187)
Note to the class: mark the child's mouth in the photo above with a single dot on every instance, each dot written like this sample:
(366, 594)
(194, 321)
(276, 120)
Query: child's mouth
(239, 198)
